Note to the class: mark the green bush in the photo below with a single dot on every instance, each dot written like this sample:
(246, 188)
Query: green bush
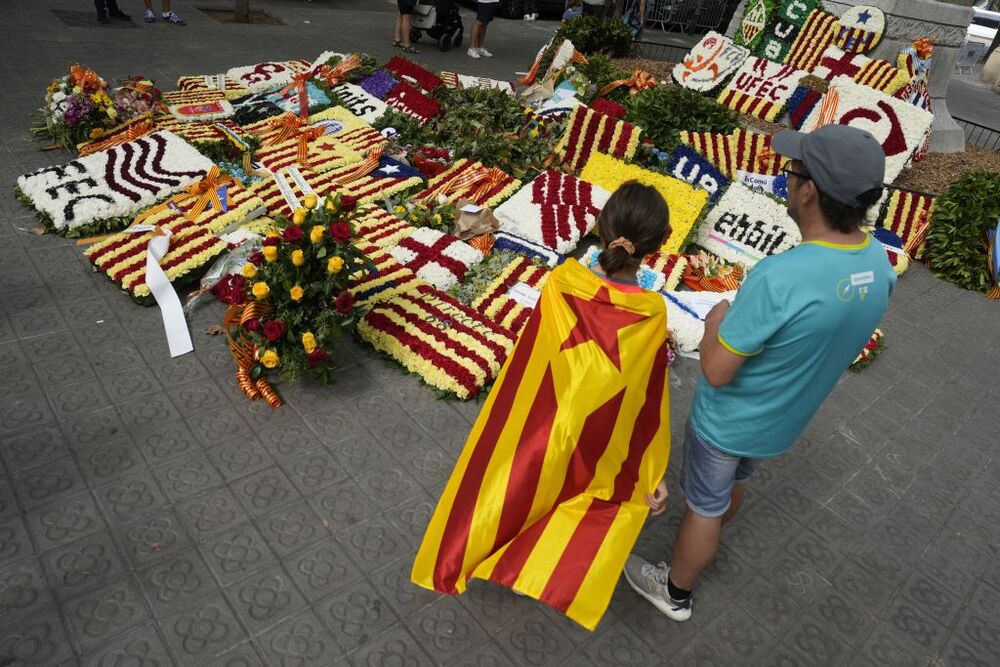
(662, 112)
(956, 238)
(591, 35)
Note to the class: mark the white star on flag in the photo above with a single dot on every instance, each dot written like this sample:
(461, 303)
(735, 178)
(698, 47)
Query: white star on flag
(389, 169)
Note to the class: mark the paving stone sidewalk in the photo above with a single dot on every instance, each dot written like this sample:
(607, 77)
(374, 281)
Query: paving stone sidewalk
(150, 515)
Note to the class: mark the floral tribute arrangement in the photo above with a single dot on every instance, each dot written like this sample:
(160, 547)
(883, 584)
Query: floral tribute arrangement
(590, 132)
(878, 74)
(450, 346)
(407, 70)
(102, 191)
(267, 76)
(464, 82)
(471, 181)
(410, 100)
(805, 98)
(230, 87)
(816, 35)
(688, 165)
(745, 227)
(555, 210)
(708, 273)
(900, 127)
(502, 302)
(382, 279)
(437, 258)
(436, 213)
(381, 228)
(309, 149)
(756, 17)
(893, 246)
(296, 303)
(908, 214)
(80, 106)
(710, 63)
(861, 29)
(686, 202)
(670, 266)
(872, 349)
(504, 242)
(761, 88)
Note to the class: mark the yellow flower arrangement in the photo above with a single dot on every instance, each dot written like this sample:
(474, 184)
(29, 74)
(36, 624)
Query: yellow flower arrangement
(316, 234)
(270, 359)
(310, 201)
(261, 291)
(298, 258)
(334, 265)
(249, 270)
(270, 253)
(299, 216)
(296, 293)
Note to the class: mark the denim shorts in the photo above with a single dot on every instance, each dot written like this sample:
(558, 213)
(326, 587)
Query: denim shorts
(708, 475)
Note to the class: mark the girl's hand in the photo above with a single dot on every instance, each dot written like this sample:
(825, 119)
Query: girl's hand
(657, 500)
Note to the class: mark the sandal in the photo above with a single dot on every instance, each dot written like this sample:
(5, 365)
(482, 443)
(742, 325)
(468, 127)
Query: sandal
(410, 49)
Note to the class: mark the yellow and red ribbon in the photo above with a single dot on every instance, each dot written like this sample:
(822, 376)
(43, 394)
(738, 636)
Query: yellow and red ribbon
(245, 352)
(334, 76)
(639, 81)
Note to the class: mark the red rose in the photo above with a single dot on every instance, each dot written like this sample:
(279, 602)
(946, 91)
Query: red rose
(256, 258)
(270, 240)
(253, 325)
(293, 234)
(274, 330)
(316, 357)
(230, 290)
(344, 303)
(340, 232)
(348, 202)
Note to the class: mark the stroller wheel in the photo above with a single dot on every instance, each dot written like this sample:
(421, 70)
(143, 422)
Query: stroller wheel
(414, 35)
(444, 43)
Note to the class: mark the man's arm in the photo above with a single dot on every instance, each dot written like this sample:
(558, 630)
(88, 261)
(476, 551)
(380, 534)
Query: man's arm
(719, 363)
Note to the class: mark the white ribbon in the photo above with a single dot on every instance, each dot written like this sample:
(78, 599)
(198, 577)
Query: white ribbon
(178, 336)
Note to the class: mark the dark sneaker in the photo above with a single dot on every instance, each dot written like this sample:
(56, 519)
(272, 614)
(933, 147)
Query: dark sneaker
(650, 581)
(171, 17)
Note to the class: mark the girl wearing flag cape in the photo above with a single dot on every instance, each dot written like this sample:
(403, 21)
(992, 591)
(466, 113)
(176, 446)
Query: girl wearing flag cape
(568, 454)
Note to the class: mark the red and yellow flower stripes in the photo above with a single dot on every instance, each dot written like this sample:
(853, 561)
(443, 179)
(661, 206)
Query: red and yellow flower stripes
(469, 180)
(496, 304)
(882, 75)
(590, 131)
(204, 96)
(231, 87)
(908, 215)
(671, 266)
(388, 280)
(380, 227)
(817, 33)
(450, 346)
(198, 131)
(321, 154)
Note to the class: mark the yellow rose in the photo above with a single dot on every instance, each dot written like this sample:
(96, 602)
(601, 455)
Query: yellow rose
(298, 257)
(249, 270)
(299, 216)
(334, 264)
(310, 201)
(97, 133)
(270, 253)
(270, 359)
(261, 290)
(296, 293)
(308, 342)
(316, 234)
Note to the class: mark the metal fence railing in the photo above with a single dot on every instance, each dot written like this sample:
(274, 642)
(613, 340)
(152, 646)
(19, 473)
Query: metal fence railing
(655, 51)
(686, 15)
(980, 135)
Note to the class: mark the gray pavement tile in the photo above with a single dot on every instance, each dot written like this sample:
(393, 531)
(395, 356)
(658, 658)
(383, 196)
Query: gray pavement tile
(218, 425)
(265, 598)
(239, 458)
(38, 320)
(980, 629)
(322, 569)
(265, 491)
(967, 553)
(142, 646)
(286, 440)
(361, 453)
(485, 654)
(129, 497)
(910, 624)
(106, 463)
(24, 589)
(430, 467)
(152, 537)
(356, 616)
(33, 447)
(396, 648)
(104, 614)
(116, 356)
(342, 505)
(412, 517)
(127, 385)
(532, 639)
(937, 565)
(24, 412)
(79, 398)
(38, 639)
(703, 651)
(375, 543)
(203, 631)
(48, 482)
(291, 527)
(884, 649)
(445, 629)
(389, 487)
(166, 442)
(145, 414)
(198, 397)
(187, 475)
(237, 553)
(959, 652)
(64, 521)
(242, 655)
(176, 582)
(9, 506)
(810, 637)
(932, 598)
(85, 565)
(207, 515)
(314, 470)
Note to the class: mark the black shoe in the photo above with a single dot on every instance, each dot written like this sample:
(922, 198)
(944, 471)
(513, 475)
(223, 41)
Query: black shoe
(103, 18)
(119, 14)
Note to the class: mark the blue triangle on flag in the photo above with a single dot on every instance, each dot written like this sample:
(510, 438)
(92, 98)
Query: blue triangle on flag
(390, 168)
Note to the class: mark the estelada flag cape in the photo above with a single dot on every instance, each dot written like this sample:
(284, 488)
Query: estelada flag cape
(548, 494)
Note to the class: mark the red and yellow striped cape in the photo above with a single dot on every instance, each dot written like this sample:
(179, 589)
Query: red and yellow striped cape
(548, 494)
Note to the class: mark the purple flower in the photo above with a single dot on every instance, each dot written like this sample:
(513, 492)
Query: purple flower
(77, 107)
(379, 84)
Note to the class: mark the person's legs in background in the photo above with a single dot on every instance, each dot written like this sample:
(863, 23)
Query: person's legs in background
(530, 10)
(167, 15)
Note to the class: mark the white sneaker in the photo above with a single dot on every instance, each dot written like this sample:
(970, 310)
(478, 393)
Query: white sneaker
(484, 53)
(650, 581)
(527, 17)
(474, 53)
(534, 16)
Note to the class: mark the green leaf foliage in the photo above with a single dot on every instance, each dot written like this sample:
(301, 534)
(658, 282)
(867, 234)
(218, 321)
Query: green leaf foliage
(956, 239)
(591, 35)
(664, 111)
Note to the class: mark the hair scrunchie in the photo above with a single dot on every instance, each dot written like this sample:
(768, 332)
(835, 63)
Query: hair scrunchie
(622, 242)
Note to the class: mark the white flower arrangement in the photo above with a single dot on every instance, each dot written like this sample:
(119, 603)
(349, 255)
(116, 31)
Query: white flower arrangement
(115, 183)
(555, 210)
(745, 227)
(437, 258)
(899, 126)
(684, 323)
(761, 88)
(263, 77)
(709, 63)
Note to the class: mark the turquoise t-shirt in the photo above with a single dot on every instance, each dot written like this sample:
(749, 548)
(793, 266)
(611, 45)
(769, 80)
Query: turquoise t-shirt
(800, 318)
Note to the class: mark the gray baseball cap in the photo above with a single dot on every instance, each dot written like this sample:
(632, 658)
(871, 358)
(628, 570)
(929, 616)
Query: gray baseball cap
(843, 161)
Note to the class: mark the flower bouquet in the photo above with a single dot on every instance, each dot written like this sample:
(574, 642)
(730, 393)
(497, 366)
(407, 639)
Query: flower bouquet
(708, 273)
(435, 212)
(431, 161)
(295, 299)
(872, 349)
(81, 107)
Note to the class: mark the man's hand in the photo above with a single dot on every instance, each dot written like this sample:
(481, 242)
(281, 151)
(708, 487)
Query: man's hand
(715, 316)
(657, 500)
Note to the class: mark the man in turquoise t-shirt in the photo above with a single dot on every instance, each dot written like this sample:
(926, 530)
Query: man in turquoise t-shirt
(770, 360)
